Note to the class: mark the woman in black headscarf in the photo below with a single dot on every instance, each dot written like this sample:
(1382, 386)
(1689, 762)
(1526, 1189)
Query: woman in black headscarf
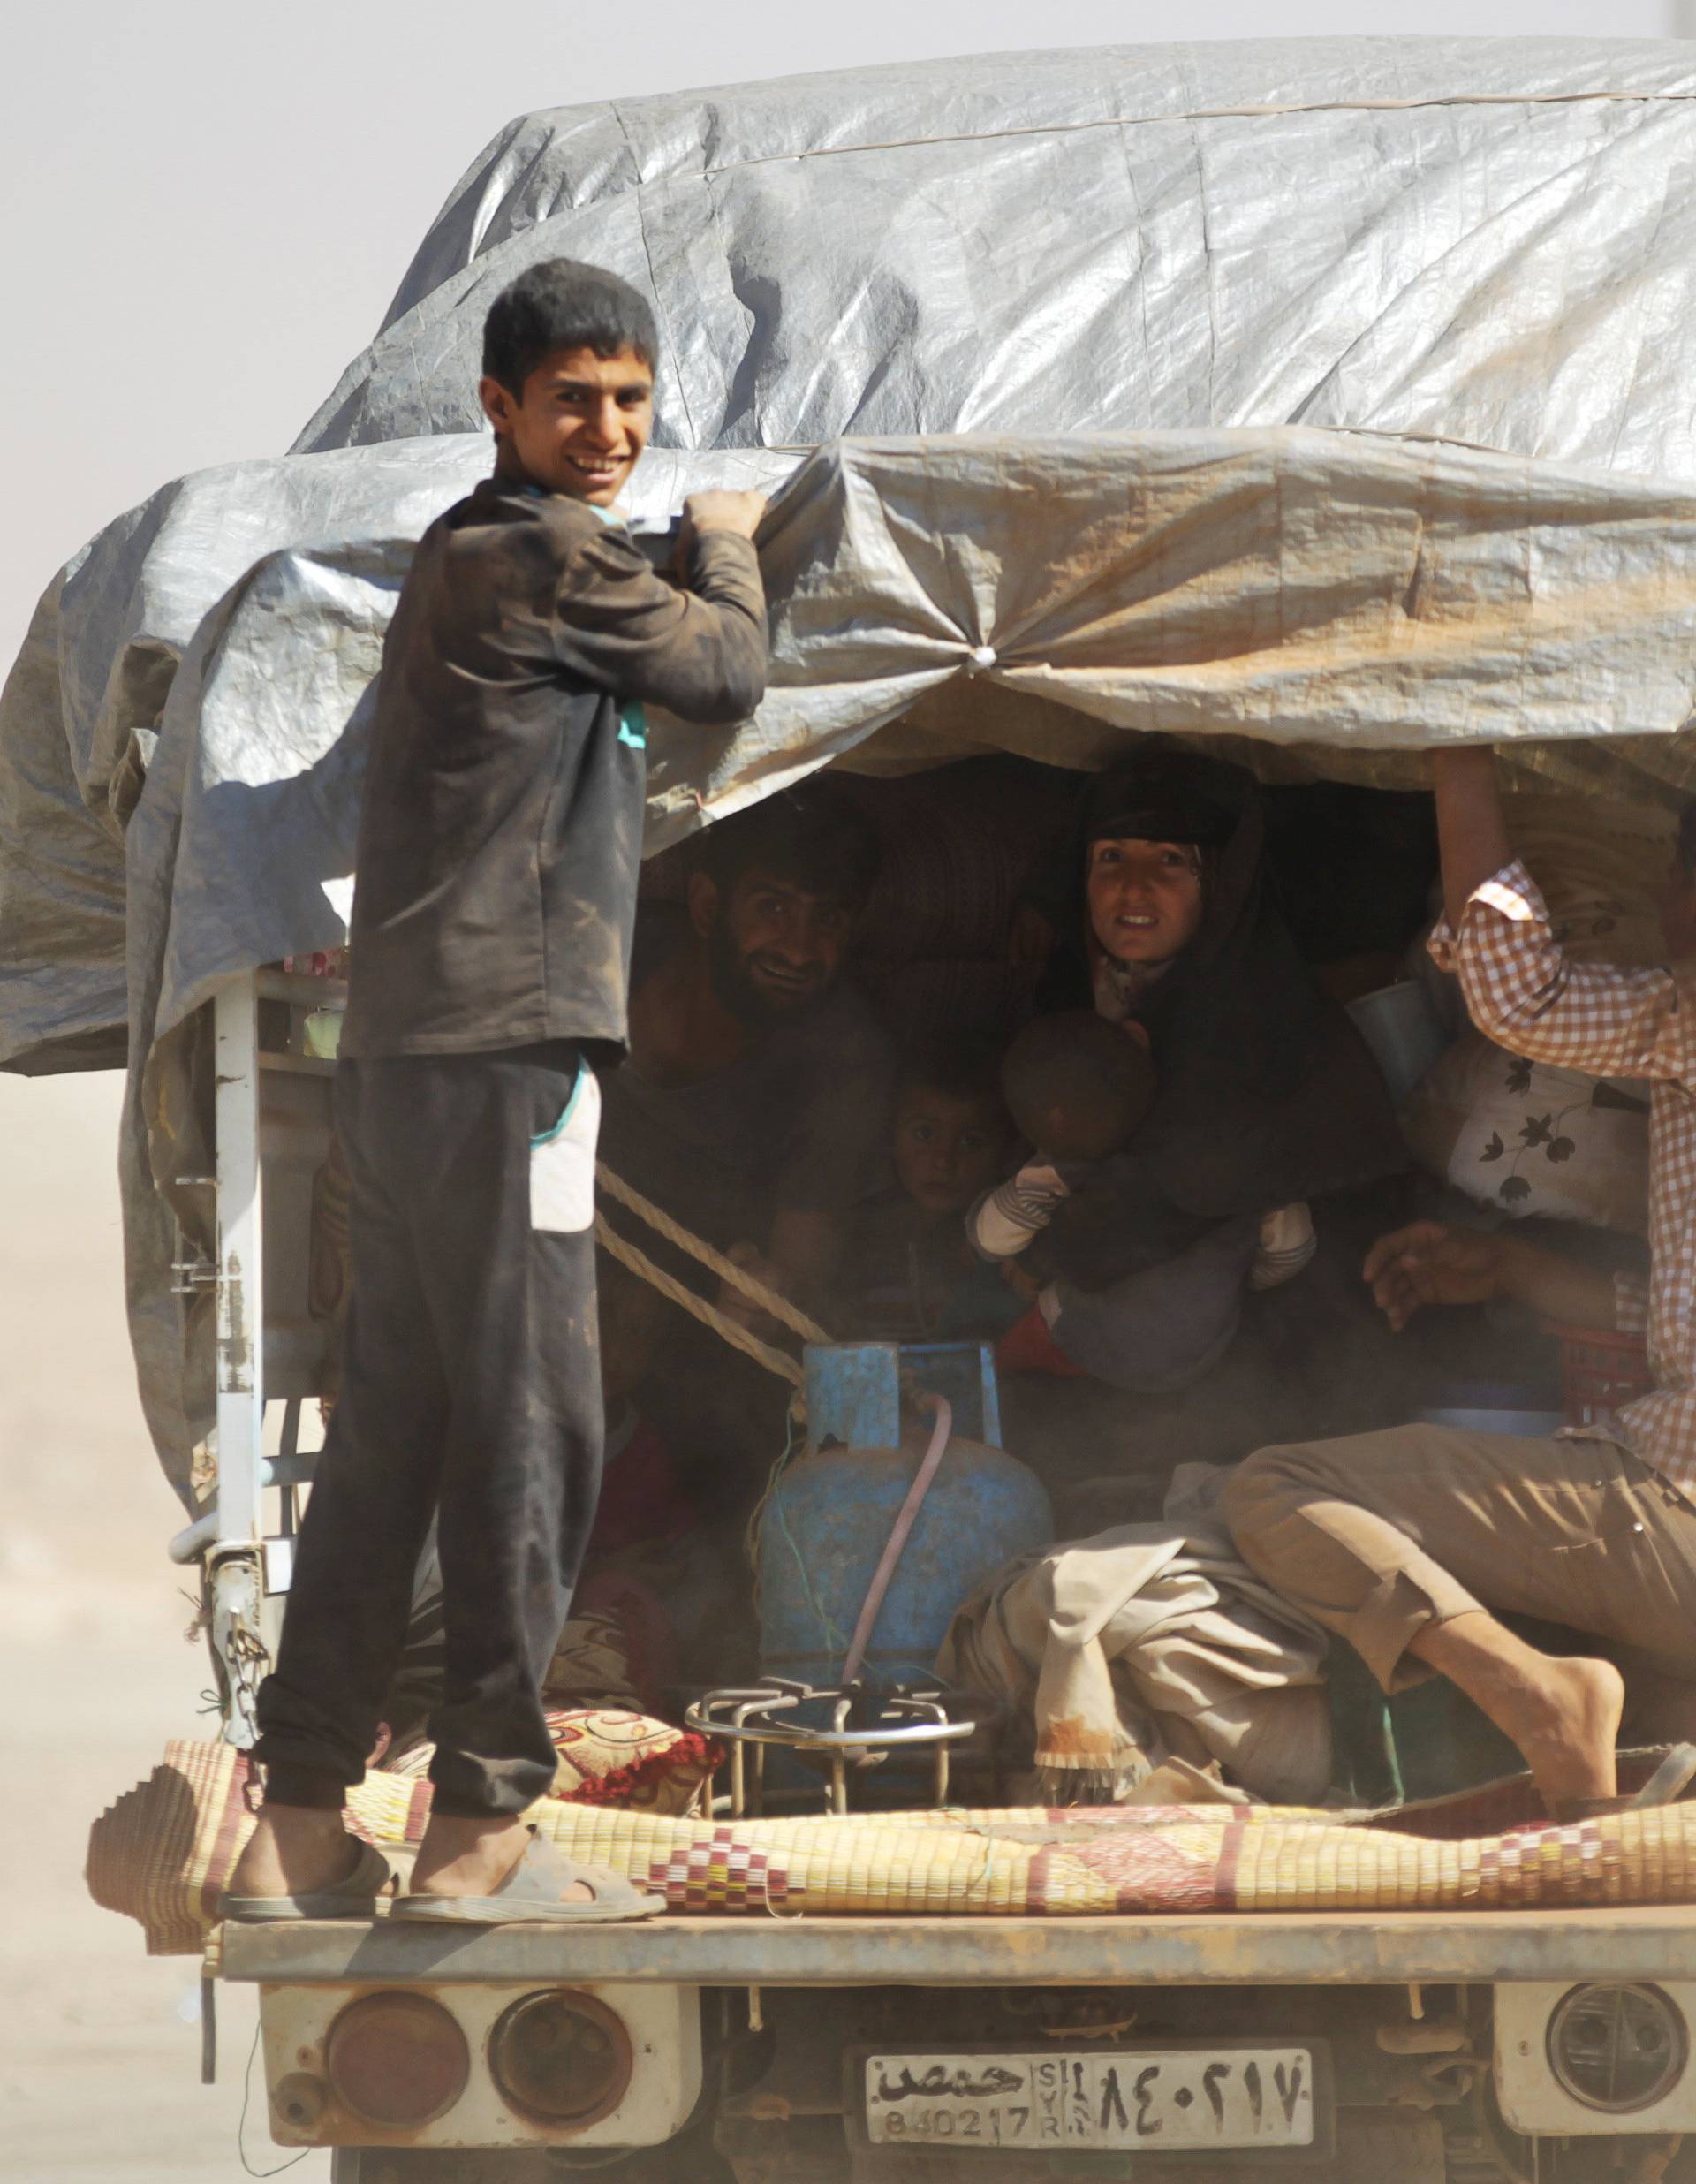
(1267, 1100)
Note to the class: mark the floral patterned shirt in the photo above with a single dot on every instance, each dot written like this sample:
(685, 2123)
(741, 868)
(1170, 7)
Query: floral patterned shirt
(1522, 991)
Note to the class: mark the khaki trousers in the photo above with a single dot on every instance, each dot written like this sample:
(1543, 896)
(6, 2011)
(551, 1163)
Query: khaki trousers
(1380, 1535)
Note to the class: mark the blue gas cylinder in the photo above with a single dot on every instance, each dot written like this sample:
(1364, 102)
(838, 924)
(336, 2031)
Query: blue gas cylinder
(825, 1529)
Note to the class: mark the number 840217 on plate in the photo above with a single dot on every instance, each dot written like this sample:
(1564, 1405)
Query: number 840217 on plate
(1166, 2098)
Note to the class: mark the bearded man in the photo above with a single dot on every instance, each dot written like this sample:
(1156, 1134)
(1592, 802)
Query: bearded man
(754, 1105)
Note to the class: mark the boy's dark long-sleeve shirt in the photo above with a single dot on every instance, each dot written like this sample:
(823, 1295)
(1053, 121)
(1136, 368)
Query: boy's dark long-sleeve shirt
(500, 830)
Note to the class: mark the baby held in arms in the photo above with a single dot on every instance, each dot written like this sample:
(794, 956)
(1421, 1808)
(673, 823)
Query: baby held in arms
(1079, 1087)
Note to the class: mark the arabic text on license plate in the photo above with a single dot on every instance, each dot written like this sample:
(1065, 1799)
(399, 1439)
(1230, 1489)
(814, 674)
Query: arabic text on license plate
(1230, 2096)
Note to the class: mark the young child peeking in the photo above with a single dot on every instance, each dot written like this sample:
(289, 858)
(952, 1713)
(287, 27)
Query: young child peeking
(1078, 1088)
(499, 841)
(911, 1275)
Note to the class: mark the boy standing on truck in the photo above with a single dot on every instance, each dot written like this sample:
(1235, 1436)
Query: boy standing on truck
(1405, 1540)
(499, 843)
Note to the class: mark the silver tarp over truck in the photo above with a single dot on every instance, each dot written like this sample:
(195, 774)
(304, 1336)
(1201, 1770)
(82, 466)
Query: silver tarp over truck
(1334, 398)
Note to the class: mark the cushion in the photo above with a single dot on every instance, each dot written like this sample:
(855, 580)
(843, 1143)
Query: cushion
(1525, 1138)
(607, 1757)
(612, 1756)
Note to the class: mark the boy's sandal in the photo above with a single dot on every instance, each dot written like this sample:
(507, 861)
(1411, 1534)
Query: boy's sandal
(355, 1897)
(1665, 1786)
(531, 1893)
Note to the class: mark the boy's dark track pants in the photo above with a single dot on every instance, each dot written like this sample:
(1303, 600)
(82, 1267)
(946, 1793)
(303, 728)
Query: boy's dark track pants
(472, 1378)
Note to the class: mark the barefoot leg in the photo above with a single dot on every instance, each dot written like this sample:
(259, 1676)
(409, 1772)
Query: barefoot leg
(1563, 1714)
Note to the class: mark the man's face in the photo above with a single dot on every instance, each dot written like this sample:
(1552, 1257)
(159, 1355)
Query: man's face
(774, 947)
(579, 423)
(948, 1150)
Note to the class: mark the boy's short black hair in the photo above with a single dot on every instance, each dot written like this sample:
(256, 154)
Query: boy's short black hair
(564, 304)
(814, 836)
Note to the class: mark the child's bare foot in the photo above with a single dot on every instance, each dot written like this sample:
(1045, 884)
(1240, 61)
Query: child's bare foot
(472, 1857)
(295, 1850)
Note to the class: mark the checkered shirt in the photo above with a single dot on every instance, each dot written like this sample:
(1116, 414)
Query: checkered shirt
(1523, 992)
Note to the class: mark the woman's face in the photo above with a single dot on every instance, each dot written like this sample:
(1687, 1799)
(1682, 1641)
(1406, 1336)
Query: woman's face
(1145, 899)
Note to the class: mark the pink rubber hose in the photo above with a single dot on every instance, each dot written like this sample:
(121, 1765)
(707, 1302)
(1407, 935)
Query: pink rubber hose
(897, 1539)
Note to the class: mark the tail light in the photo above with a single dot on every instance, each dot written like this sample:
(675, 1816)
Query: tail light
(1617, 2048)
(397, 2060)
(561, 2056)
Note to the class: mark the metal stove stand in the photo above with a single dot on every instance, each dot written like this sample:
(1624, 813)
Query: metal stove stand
(848, 1732)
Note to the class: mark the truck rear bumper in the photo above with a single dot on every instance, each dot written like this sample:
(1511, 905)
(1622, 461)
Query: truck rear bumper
(1212, 1949)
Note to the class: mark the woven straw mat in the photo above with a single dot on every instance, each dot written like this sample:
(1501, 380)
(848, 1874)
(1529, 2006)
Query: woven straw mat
(163, 1853)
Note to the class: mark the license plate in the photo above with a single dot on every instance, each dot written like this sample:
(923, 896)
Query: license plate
(1154, 2099)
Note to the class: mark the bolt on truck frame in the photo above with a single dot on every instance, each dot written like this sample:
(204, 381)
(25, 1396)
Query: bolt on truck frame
(1403, 2048)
